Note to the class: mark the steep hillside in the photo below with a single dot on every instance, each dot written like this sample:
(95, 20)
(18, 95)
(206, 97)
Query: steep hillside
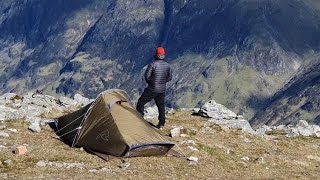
(238, 52)
(299, 99)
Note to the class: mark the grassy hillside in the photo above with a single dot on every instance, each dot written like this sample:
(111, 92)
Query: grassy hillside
(220, 153)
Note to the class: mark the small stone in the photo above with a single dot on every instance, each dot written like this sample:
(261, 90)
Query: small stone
(7, 162)
(230, 151)
(195, 111)
(193, 158)
(189, 142)
(13, 130)
(175, 132)
(20, 150)
(4, 135)
(245, 158)
(184, 135)
(41, 164)
(2, 127)
(35, 127)
(193, 148)
(93, 170)
(124, 165)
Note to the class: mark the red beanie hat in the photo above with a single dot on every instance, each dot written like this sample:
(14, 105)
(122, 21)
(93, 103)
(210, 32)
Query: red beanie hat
(160, 51)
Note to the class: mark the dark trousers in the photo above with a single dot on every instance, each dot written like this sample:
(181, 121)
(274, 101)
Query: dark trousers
(146, 97)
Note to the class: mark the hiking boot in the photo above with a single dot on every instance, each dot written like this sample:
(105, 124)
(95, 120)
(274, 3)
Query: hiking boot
(160, 127)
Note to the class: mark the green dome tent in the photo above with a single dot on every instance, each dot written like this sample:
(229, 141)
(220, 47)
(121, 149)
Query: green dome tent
(110, 126)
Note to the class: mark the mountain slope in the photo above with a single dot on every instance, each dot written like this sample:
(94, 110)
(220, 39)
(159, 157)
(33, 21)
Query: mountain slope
(238, 52)
(299, 99)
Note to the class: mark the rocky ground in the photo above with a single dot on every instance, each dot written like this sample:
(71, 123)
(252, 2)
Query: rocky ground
(217, 144)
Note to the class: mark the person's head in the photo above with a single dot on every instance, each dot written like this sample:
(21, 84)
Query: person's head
(160, 53)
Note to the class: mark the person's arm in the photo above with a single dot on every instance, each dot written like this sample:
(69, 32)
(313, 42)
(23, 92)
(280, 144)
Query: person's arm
(148, 73)
(169, 75)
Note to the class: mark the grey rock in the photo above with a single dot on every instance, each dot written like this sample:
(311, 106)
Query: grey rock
(217, 111)
(280, 127)
(261, 131)
(124, 165)
(245, 158)
(41, 163)
(175, 132)
(303, 124)
(292, 133)
(32, 119)
(2, 127)
(242, 125)
(93, 171)
(151, 112)
(193, 158)
(81, 101)
(105, 169)
(35, 127)
(305, 131)
(7, 113)
(68, 102)
(7, 162)
(195, 111)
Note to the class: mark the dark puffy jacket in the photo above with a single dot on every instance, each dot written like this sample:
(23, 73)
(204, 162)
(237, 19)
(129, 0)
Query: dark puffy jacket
(158, 73)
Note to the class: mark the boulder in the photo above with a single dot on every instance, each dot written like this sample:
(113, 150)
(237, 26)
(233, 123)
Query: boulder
(217, 111)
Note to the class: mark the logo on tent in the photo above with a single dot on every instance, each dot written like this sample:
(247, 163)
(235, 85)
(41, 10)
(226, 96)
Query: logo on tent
(104, 135)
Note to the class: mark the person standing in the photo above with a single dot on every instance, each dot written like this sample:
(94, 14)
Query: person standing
(157, 74)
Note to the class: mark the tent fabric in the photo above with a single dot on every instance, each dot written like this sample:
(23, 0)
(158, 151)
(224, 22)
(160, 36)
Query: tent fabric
(111, 126)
